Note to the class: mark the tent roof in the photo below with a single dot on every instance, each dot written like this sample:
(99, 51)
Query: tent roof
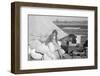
(40, 27)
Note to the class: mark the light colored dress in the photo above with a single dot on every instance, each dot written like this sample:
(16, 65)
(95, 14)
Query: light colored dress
(56, 50)
(41, 51)
(48, 55)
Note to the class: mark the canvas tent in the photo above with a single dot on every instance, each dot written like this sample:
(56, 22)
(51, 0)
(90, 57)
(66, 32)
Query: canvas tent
(40, 27)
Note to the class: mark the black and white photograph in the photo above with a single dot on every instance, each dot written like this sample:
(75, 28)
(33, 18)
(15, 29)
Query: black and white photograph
(52, 37)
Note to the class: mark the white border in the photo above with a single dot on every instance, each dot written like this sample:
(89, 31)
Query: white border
(25, 64)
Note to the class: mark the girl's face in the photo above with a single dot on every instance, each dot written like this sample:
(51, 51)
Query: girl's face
(54, 35)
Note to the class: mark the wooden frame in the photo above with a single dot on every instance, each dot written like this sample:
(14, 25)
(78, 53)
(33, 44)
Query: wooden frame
(15, 37)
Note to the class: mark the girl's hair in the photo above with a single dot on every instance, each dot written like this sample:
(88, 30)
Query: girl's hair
(50, 38)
